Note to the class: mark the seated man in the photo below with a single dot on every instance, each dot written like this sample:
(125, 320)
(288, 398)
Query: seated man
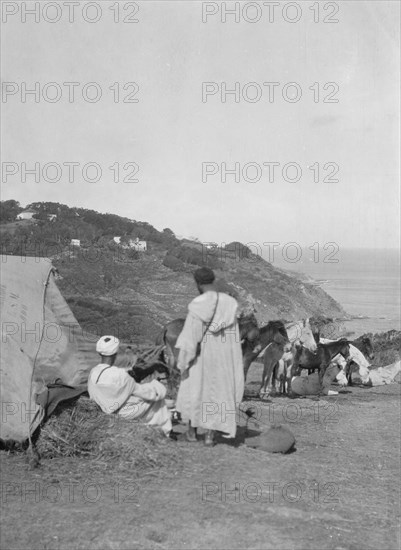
(115, 391)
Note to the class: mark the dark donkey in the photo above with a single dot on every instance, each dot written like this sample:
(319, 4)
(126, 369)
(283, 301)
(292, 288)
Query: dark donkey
(274, 331)
(304, 359)
(248, 329)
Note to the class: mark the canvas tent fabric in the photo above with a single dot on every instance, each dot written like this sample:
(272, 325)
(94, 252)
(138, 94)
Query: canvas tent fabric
(310, 384)
(41, 342)
(389, 374)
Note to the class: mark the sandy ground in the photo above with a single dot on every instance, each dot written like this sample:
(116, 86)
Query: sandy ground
(339, 490)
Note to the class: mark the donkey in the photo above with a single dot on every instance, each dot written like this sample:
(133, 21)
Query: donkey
(274, 332)
(276, 355)
(248, 330)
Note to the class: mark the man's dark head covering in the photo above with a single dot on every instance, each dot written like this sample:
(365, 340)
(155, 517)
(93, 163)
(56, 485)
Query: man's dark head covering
(204, 276)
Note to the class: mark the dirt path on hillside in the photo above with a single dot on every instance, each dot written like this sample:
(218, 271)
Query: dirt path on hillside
(338, 490)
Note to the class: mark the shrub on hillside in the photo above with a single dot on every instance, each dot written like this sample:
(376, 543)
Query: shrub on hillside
(174, 263)
(130, 322)
(195, 256)
(9, 210)
(386, 346)
(238, 251)
(223, 286)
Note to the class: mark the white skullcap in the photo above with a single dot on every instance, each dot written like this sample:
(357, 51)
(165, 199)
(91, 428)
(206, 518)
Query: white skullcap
(107, 345)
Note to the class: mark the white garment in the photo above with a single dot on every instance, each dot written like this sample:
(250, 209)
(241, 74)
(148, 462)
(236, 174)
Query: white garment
(115, 391)
(310, 385)
(385, 375)
(212, 383)
(356, 356)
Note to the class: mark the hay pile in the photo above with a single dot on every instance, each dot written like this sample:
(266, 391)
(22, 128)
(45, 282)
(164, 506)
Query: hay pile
(82, 430)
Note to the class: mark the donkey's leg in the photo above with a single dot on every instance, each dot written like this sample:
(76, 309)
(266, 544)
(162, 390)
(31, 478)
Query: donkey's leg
(290, 373)
(268, 365)
(279, 376)
(295, 366)
(263, 386)
(247, 361)
(348, 370)
(281, 368)
(287, 376)
(248, 355)
(276, 379)
(322, 372)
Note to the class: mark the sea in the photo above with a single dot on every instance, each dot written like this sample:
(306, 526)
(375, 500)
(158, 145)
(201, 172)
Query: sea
(366, 282)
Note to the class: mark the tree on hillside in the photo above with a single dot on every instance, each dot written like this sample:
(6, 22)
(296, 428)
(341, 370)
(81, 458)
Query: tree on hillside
(168, 236)
(48, 207)
(9, 210)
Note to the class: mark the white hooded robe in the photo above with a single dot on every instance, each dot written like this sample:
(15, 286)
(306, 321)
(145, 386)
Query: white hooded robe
(212, 383)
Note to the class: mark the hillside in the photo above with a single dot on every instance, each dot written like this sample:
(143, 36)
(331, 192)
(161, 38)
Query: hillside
(112, 288)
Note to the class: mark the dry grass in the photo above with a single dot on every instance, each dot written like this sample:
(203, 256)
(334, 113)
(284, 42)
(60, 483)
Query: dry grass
(83, 430)
(386, 357)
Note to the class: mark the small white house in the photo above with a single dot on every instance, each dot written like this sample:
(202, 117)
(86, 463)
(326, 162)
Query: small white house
(52, 217)
(75, 242)
(140, 246)
(135, 244)
(26, 215)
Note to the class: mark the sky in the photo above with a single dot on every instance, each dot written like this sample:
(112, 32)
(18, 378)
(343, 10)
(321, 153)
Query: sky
(338, 121)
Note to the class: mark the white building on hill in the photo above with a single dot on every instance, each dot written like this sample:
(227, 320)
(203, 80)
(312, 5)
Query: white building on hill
(26, 215)
(135, 244)
(141, 246)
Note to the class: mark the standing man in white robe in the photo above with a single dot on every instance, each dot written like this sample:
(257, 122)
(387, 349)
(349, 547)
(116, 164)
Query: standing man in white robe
(116, 392)
(210, 361)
